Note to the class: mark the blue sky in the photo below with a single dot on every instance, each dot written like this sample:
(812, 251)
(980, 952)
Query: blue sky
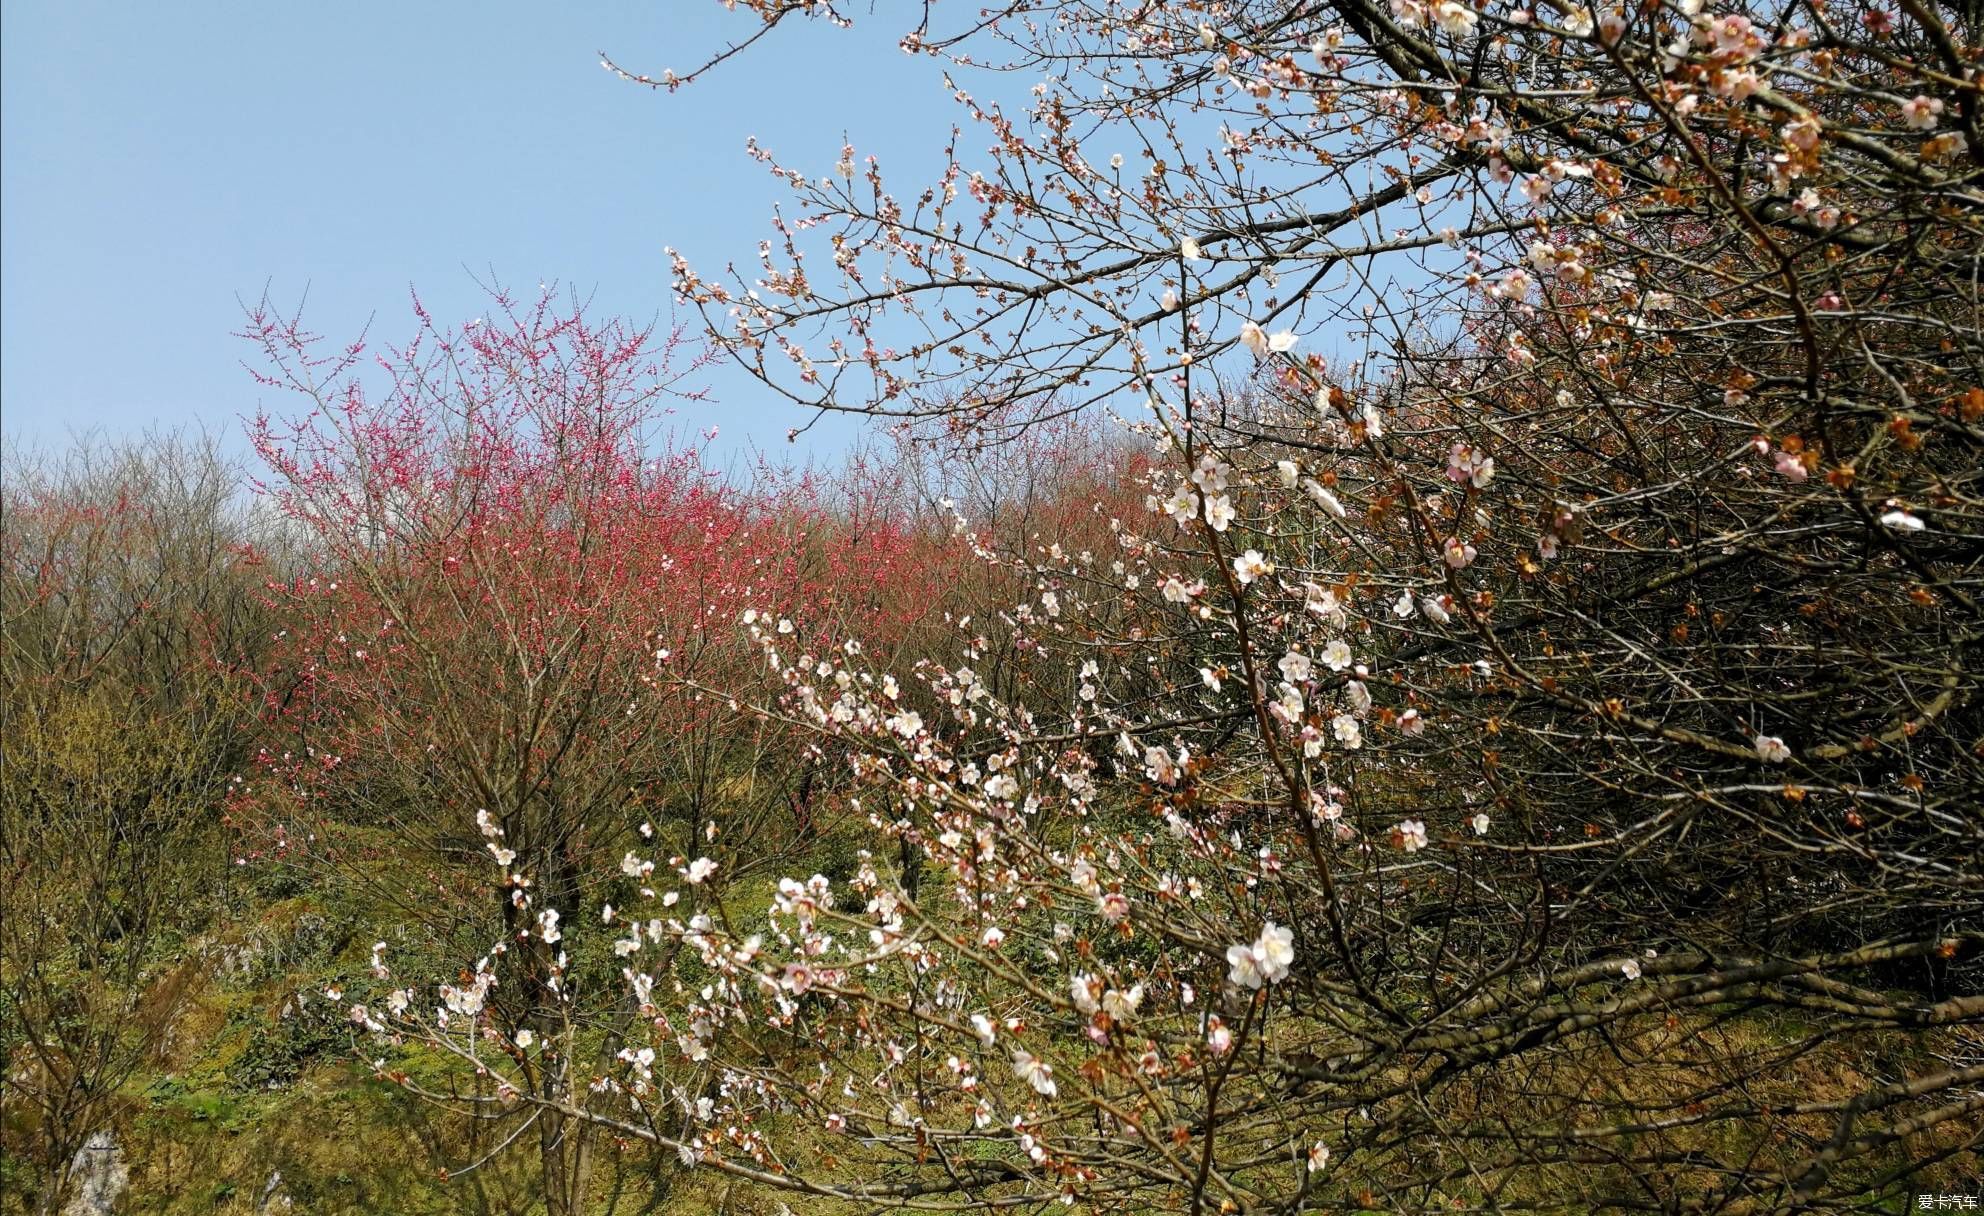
(161, 161)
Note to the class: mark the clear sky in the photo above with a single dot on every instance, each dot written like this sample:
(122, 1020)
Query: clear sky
(162, 161)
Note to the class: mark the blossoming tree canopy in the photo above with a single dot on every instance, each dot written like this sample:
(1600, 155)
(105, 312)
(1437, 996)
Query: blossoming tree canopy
(1535, 694)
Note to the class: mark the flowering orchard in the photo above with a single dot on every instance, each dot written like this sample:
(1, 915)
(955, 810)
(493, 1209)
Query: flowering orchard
(495, 642)
(1517, 743)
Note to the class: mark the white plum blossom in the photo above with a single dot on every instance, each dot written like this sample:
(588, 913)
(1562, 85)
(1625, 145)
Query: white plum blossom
(1250, 566)
(1265, 960)
(1262, 343)
(1035, 1072)
(1455, 18)
(1772, 750)
(1411, 835)
(1347, 731)
(1290, 705)
(1336, 655)
(1085, 991)
(1324, 498)
(1122, 1005)
(1276, 948)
